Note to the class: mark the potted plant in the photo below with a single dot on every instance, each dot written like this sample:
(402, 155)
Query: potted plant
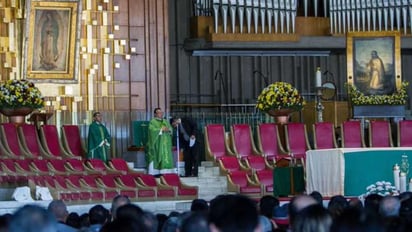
(19, 98)
(280, 99)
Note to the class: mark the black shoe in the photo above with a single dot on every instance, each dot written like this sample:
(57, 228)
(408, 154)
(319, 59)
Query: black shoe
(157, 176)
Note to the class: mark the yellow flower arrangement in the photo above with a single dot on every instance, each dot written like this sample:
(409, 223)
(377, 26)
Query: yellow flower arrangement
(399, 97)
(280, 95)
(20, 93)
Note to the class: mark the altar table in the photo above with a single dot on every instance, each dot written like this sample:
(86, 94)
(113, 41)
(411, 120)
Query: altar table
(348, 171)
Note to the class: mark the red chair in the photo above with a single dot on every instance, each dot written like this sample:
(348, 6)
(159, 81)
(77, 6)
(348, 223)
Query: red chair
(297, 141)
(58, 167)
(229, 164)
(97, 165)
(12, 176)
(324, 135)
(60, 185)
(405, 133)
(265, 179)
(72, 141)
(163, 192)
(23, 167)
(109, 182)
(58, 191)
(76, 166)
(120, 165)
(73, 182)
(51, 142)
(89, 182)
(241, 183)
(257, 163)
(352, 136)
(144, 193)
(270, 145)
(242, 141)
(30, 141)
(380, 134)
(184, 192)
(10, 142)
(40, 167)
(216, 144)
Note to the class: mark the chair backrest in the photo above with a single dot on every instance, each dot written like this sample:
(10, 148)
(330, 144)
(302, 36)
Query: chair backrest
(215, 140)
(265, 177)
(380, 134)
(127, 180)
(119, 164)
(239, 178)
(75, 164)
(96, 164)
(352, 136)
(50, 139)
(242, 140)
(324, 135)
(268, 140)
(10, 138)
(30, 139)
(230, 163)
(148, 180)
(256, 162)
(40, 164)
(296, 138)
(172, 179)
(58, 165)
(72, 141)
(405, 133)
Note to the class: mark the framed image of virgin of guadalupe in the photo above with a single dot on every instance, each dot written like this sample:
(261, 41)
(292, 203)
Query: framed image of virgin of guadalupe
(373, 62)
(52, 40)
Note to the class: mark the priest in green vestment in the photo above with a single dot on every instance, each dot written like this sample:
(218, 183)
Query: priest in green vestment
(159, 158)
(98, 146)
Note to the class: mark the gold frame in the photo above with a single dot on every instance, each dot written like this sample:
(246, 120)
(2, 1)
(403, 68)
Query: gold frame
(51, 40)
(373, 41)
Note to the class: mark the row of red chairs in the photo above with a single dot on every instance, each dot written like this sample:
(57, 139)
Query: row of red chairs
(259, 184)
(104, 187)
(20, 142)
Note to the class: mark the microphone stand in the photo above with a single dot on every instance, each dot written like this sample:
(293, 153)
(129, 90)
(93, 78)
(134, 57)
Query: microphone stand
(178, 149)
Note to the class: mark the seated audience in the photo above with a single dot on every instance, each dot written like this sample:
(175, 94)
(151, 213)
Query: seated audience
(314, 218)
(59, 209)
(32, 218)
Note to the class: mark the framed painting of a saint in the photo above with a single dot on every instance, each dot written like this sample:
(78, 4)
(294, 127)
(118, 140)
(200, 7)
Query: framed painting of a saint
(373, 62)
(51, 43)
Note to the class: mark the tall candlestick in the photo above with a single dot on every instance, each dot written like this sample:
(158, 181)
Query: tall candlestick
(318, 80)
(396, 172)
(402, 179)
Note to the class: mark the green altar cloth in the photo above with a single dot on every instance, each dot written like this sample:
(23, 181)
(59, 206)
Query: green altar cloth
(364, 168)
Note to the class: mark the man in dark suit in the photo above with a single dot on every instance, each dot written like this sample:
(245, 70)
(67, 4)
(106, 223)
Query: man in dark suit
(187, 142)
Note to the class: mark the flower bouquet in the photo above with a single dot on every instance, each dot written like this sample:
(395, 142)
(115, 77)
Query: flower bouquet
(383, 188)
(280, 97)
(399, 97)
(20, 93)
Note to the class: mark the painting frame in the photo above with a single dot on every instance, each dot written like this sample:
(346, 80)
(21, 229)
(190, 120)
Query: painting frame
(374, 62)
(51, 42)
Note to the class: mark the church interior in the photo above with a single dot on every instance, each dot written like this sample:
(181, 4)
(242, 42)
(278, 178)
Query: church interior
(209, 60)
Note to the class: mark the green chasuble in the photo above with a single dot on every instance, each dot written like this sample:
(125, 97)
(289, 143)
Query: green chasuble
(98, 142)
(159, 157)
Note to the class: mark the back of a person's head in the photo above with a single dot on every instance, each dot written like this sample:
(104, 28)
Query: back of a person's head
(372, 202)
(199, 205)
(129, 211)
(73, 220)
(124, 225)
(31, 218)
(389, 206)
(317, 196)
(59, 209)
(267, 204)
(297, 203)
(150, 221)
(194, 222)
(229, 213)
(98, 215)
(337, 204)
(314, 218)
(406, 209)
(171, 224)
(5, 222)
(357, 220)
(118, 201)
(84, 220)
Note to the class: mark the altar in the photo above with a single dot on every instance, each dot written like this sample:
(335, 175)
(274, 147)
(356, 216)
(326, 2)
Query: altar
(348, 171)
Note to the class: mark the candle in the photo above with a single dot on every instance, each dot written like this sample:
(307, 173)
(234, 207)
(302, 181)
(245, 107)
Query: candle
(396, 172)
(410, 185)
(318, 80)
(402, 180)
